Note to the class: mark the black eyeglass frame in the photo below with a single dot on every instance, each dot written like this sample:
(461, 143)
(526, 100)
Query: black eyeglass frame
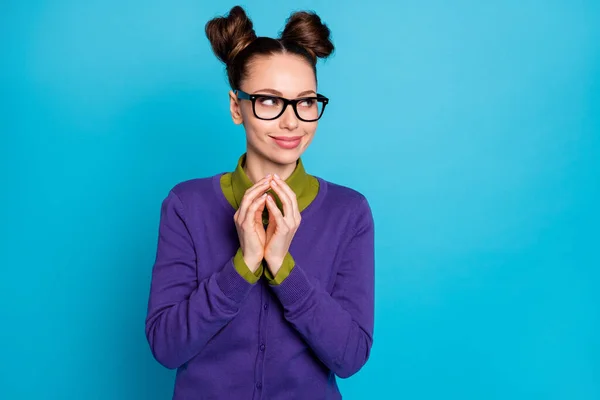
(294, 102)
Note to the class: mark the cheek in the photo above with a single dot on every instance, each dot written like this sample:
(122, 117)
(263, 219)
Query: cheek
(258, 128)
(309, 130)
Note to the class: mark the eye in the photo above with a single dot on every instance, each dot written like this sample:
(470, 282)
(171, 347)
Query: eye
(268, 101)
(307, 103)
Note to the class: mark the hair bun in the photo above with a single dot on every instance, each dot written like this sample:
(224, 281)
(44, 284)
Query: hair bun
(306, 29)
(230, 34)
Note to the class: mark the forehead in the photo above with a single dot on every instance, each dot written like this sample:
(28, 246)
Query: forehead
(287, 73)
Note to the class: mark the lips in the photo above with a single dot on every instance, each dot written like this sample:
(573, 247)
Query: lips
(287, 138)
(287, 142)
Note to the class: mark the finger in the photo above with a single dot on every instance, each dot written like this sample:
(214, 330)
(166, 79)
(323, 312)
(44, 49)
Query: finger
(254, 191)
(255, 208)
(291, 193)
(275, 214)
(259, 210)
(286, 201)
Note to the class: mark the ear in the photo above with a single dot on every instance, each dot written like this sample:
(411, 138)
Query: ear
(234, 108)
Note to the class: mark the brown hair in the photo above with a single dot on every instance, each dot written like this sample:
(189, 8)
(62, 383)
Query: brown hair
(234, 41)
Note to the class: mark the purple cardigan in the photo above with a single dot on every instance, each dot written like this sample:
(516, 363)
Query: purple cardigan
(230, 339)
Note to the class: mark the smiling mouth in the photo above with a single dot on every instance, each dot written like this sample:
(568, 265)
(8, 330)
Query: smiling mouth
(287, 138)
(287, 142)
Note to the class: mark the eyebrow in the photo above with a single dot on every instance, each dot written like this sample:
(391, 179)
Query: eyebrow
(278, 93)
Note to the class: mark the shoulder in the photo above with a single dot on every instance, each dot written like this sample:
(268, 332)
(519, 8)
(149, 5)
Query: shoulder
(343, 200)
(343, 194)
(193, 186)
(194, 191)
(347, 206)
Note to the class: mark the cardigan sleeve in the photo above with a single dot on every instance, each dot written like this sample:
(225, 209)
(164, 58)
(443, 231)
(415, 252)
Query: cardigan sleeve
(244, 270)
(284, 271)
(337, 326)
(184, 313)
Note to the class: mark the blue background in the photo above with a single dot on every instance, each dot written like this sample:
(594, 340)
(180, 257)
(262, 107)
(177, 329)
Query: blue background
(472, 127)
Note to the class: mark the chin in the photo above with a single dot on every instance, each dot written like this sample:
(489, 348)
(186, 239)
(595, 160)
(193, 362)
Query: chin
(286, 157)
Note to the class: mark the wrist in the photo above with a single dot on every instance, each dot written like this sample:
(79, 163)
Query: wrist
(284, 268)
(252, 263)
(252, 266)
(274, 264)
(252, 276)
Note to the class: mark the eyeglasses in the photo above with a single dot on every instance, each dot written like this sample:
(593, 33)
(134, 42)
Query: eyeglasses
(267, 107)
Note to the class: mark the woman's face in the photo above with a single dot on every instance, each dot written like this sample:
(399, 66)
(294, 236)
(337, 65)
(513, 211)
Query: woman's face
(283, 75)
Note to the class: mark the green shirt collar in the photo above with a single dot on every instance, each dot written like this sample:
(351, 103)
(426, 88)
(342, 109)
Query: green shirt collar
(299, 182)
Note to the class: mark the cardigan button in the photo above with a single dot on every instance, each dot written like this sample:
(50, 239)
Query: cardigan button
(258, 385)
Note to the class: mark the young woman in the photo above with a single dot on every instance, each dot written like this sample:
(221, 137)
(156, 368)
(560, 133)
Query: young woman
(263, 285)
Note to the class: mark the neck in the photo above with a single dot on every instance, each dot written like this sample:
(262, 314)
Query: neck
(257, 167)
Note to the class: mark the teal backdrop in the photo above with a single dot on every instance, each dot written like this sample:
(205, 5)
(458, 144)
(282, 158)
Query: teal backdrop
(473, 127)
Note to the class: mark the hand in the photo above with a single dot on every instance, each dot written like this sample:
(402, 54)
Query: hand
(282, 227)
(248, 223)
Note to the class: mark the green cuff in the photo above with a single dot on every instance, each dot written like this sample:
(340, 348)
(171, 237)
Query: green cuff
(286, 267)
(244, 271)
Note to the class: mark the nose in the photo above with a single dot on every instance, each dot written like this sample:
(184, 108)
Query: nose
(288, 119)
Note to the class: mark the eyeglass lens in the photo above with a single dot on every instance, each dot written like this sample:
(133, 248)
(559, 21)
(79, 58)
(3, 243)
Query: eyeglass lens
(270, 107)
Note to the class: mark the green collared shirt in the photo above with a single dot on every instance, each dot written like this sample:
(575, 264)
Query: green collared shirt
(234, 185)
